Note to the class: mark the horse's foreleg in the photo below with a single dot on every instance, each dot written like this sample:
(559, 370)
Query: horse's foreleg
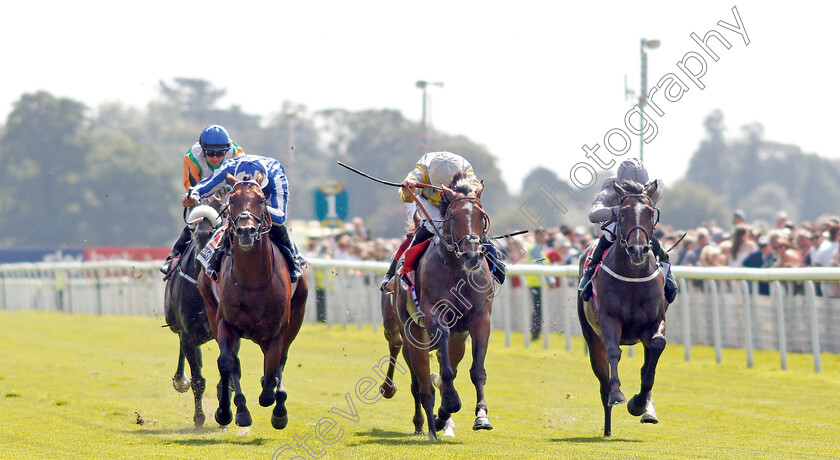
(480, 335)
(273, 391)
(611, 336)
(418, 359)
(642, 403)
(193, 355)
(391, 327)
(415, 392)
(450, 402)
(228, 362)
(599, 363)
(179, 380)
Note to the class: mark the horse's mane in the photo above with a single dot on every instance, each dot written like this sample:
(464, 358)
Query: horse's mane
(632, 187)
(461, 183)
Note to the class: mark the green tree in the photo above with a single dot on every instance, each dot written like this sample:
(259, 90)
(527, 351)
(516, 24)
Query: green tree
(688, 205)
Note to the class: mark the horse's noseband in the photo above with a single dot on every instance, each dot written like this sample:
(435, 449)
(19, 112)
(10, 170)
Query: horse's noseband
(262, 228)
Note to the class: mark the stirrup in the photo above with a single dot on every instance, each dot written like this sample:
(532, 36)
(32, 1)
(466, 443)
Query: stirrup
(384, 285)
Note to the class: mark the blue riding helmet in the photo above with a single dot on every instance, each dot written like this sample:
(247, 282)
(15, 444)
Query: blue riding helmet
(214, 137)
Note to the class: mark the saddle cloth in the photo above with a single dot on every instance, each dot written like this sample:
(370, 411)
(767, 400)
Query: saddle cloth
(215, 241)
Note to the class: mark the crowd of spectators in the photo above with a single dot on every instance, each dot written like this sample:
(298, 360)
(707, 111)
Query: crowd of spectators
(787, 244)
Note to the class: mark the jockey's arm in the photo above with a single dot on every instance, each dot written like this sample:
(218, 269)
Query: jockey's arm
(190, 167)
(602, 208)
(277, 199)
(417, 175)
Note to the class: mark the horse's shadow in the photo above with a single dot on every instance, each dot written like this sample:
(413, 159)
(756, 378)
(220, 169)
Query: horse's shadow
(394, 438)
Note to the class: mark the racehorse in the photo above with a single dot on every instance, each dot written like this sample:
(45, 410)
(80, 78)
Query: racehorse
(628, 303)
(255, 299)
(455, 292)
(184, 306)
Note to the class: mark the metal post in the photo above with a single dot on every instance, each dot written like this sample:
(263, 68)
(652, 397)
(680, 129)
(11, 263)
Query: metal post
(780, 312)
(811, 293)
(544, 309)
(716, 320)
(507, 306)
(526, 308)
(642, 95)
(422, 84)
(569, 305)
(748, 340)
(686, 319)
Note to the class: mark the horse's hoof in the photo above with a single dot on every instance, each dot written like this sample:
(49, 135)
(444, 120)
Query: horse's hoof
(243, 418)
(387, 390)
(616, 397)
(267, 396)
(440, 423)
(223, 417)
(482, 423)
(279, 422)
(634, 408)
(649, 417)
(199, 420)
(181, 385)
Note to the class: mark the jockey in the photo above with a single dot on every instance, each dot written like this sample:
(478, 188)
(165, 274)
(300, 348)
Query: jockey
(605, 208)
(213, 147)
(436, 168)
(275, 186)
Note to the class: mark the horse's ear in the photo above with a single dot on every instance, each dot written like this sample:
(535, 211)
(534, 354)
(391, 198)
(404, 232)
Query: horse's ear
(618, 189)
(479, 189)
(447, 193)
(231, 180)
(259, 178)
(192, 179)
(651, 189)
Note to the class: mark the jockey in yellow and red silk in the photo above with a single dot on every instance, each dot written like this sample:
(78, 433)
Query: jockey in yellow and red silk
(605, 209)
(275, 187)
(436, 168)
(205, 156)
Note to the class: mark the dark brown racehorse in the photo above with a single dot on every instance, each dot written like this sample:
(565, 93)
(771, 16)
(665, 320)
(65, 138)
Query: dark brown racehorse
(184, 307)
(455, 291)
(255, 300)
(628, 303)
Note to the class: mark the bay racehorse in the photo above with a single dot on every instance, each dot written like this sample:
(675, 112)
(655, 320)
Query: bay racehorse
(628, 303)
(255, 299)
(454, 289)
(183, 305)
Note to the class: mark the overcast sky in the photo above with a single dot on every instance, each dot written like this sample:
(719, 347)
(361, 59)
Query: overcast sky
(533, 83)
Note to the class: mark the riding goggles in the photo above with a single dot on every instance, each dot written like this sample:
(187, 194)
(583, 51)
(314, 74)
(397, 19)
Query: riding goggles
(216, 153)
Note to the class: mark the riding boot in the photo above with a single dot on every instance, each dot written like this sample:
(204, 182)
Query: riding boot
(389, 275)
(280, 235)
(177, 250)
(497, 267)
(585, 286)
(671, 287)
(214, 265)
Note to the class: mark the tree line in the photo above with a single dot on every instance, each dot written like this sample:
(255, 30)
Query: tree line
(111, 176)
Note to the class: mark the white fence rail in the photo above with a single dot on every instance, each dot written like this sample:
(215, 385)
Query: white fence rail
(789, 310)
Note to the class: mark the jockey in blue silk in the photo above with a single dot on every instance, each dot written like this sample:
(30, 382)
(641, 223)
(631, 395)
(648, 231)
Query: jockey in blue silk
(605, 209)
(437, 168)
(275, 186)
(214, 146)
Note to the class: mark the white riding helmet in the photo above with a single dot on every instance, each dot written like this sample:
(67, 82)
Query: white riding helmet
(443, 167)
(633, 170)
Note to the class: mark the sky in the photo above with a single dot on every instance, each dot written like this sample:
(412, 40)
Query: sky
(533, 83)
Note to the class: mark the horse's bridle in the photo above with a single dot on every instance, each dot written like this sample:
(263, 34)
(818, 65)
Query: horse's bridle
(262, 228)
(455, 246)
(623, 237)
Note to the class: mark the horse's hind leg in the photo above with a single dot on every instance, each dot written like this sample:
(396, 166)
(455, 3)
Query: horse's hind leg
(642, 403)
(391, 326)
(418, 358)
(610, 336)
(179, 380)
(193, 355)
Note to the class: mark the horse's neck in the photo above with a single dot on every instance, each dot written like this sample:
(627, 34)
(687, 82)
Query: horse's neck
(254, 263)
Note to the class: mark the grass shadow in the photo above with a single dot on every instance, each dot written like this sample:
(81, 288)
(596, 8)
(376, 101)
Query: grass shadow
(594, 439)
(173, 436)
(396, 438)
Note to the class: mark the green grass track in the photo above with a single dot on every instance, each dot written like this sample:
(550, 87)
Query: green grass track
(71, 385)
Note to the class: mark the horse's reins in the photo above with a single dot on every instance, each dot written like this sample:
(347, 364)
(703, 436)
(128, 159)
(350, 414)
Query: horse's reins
(623, 237)
(456, 246)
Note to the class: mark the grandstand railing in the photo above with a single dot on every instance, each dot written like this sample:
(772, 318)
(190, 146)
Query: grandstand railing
(785, 309)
